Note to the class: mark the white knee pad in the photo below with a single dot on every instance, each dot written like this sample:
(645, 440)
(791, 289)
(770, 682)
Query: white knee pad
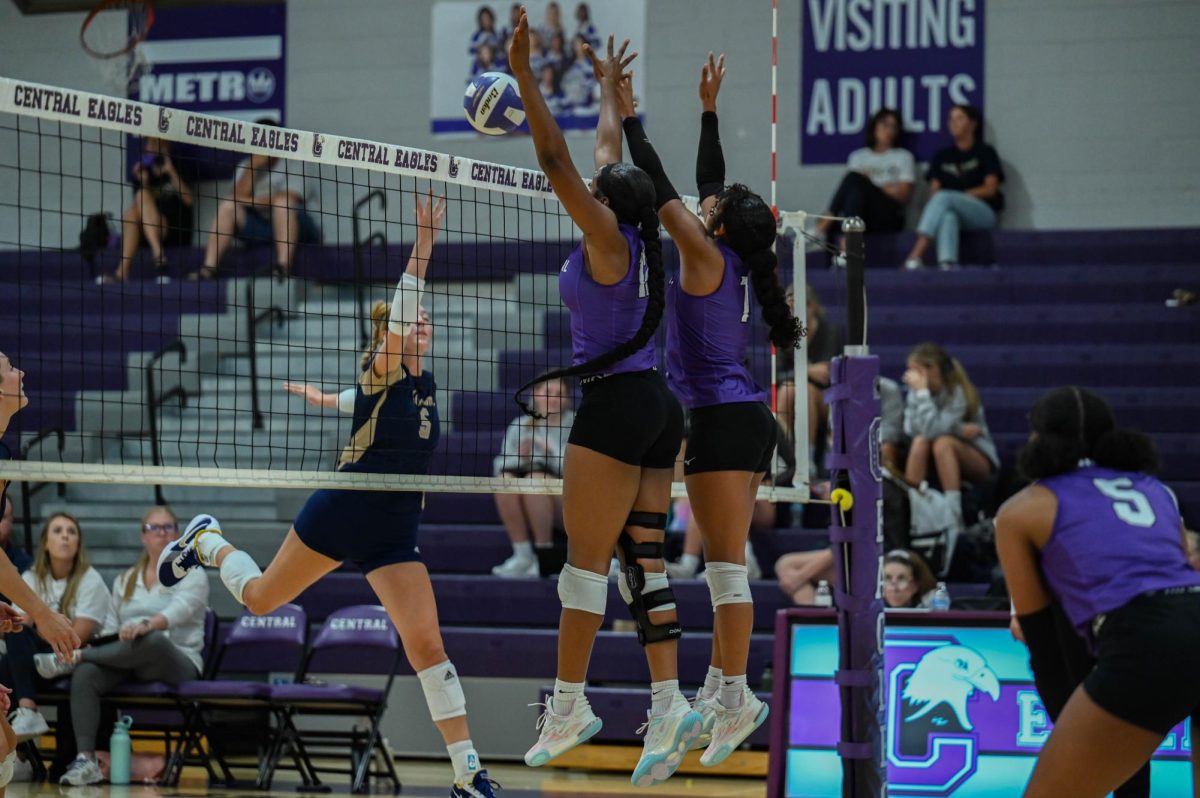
(657, 581)
(583, 590)
(443, 691)
(727, 583)
(6, 768)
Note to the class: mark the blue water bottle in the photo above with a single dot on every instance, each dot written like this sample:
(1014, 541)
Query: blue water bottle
(119, 751)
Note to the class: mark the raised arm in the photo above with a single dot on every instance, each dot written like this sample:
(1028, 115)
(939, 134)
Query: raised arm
(609, 73)
(406, 302)
(592, 216)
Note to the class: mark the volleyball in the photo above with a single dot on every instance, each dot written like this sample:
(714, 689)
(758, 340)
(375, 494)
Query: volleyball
(493, 104)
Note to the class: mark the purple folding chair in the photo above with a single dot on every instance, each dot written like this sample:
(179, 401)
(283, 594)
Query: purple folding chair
(256, 645)
(353, 640)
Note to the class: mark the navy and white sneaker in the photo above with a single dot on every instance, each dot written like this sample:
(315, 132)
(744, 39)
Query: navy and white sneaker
(480, 787)
(182, 557)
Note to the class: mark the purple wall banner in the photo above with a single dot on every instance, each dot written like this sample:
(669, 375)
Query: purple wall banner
(857, 56)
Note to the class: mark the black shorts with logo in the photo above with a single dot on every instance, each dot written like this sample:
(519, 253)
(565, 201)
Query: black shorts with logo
(737, 436)
(632, 417)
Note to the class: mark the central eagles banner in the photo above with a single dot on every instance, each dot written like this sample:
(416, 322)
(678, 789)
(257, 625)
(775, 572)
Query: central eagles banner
(857, 56)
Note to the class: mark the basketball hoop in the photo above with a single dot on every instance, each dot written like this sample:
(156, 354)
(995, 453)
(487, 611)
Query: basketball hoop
(111, 35)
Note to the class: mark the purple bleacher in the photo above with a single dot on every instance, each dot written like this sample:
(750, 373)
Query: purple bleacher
(461, 508)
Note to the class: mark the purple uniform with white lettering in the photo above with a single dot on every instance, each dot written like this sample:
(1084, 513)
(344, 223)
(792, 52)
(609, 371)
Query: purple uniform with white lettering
(606, 316)
(1116, 536)
(707, 340)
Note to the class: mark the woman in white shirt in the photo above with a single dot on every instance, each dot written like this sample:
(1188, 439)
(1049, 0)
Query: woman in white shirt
(161, 637)
(62, 577)
(533, 448)
(880, 181)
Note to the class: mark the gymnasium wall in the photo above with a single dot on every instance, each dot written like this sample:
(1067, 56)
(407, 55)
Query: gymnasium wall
(1090, 102)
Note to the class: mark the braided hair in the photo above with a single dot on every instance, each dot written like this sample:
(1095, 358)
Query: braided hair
(1071, 424)
(630, 195)
(750, 232)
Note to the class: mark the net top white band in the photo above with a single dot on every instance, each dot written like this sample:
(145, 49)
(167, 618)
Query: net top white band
(142, 119)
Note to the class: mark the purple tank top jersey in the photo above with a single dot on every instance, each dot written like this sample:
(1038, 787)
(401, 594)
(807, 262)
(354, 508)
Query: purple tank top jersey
(1116, 536)
(606, 316)
(707, 338)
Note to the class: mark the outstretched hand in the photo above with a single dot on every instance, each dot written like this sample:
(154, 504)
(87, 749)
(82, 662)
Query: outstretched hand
(518, 46)
(611, 67)
(626, 105)
(711, 75)
(431, 214)
(311, 393)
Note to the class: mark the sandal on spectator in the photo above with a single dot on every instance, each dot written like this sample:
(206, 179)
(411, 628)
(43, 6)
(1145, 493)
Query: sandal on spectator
(205, 273)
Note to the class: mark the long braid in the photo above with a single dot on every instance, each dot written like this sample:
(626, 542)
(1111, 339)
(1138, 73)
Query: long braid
(655, 303)
(785, 329)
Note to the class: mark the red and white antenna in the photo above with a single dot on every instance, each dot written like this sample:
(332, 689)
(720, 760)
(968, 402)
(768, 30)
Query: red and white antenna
(774, 97)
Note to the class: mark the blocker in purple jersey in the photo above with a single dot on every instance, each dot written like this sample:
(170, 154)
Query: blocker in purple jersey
(707, 338)
(1116, 536)
(605, 316)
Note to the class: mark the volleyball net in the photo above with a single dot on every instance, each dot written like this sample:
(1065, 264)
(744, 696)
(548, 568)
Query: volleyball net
(138, 372)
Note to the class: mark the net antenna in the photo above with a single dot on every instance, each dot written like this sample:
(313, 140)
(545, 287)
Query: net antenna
(111, 35)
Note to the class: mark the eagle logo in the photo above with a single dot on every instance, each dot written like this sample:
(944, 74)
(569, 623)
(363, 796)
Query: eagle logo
(453, 166)
(932, 746)
(318, 145)
(164, 120)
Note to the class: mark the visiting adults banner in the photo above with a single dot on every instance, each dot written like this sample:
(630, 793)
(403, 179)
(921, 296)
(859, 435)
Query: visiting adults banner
(857, 56)
(470, 38)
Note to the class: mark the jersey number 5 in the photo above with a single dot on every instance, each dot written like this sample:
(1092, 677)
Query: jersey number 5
(1130, 505)
(426, 425)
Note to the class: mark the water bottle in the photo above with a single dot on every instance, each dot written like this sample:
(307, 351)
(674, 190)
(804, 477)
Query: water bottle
(119, 751)
(941, 598)
(824, 597)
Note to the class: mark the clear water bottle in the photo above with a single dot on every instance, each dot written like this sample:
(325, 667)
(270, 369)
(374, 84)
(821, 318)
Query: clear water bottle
(824, 597)
(941, 598)
(119, 752)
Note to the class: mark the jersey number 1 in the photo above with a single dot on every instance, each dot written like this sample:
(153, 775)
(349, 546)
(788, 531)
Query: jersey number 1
(1130, 505)
(745, 299)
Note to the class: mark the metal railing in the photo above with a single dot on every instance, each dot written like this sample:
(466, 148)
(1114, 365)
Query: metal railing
(360, 246)
(27, 491)
(253, 317)
(154, 402)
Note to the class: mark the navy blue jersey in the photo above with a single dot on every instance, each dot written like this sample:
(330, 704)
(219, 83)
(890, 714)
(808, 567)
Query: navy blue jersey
(396, 425)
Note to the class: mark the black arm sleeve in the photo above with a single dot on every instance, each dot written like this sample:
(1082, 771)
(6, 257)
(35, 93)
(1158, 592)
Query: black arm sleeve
(710, 159)
(645, 158)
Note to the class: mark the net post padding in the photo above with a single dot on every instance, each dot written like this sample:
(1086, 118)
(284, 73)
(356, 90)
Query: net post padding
(857, 537)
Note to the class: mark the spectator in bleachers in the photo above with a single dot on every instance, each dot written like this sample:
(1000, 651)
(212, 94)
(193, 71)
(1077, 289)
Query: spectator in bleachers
(800, 572)
(266, 206)
(514, 16)
(553, 21)
(892, 441)
(161, 211)
(907, 580)
(1192, 539)
(964, 181)
(944, 418)
(161, 637)
(16, 555)
(824, 342)
(62, 576)
(879, 182)
(556, 53)
(551, 90)
(533, 449)
(485, 60)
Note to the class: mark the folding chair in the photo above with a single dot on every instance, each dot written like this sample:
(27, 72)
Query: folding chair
(353, 640)
(257, 645)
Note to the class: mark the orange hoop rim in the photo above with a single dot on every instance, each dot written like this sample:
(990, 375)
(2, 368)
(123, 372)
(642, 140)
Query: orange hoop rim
(135, 38)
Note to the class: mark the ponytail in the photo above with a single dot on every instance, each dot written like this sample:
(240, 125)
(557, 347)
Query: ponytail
(380, 313)
(785, 330)
(655, 302)
(957, 378)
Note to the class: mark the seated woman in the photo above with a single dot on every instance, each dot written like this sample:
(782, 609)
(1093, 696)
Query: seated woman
(533, 448)
(161, 211)
(879, 182)
(945, 421)
(964, 181)
(161, 636)
(62, 577)
(824, 344)
(907, 581)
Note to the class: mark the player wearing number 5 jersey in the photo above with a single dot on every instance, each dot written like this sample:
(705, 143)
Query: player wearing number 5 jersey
(1099, 536)
(395, 430)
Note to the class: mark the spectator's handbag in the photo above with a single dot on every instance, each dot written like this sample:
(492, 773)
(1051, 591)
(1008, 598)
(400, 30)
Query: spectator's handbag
(932, 521)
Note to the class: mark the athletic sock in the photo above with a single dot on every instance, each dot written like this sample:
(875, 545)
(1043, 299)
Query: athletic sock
(732, 689)
(238, 569)
(662, 695)
(209, 545)
(712, 683)
(523, 550)
(465, 760)
(565, 694)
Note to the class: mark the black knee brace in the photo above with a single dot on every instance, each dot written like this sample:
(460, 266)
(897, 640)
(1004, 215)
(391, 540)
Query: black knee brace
(642, 602)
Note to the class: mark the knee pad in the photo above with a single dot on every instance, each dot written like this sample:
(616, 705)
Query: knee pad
(443, 692)
(582, 590)
(6, 768)
(647, 592)
(727, 583)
